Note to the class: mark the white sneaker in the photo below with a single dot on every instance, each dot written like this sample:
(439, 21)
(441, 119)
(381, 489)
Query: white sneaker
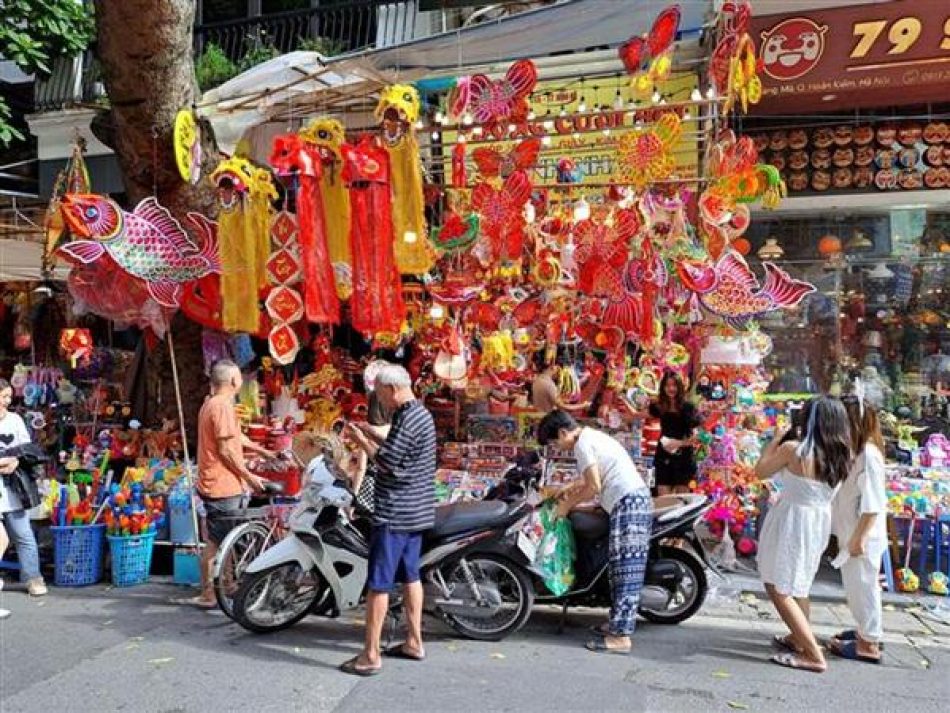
(4, 613)
(37, 587)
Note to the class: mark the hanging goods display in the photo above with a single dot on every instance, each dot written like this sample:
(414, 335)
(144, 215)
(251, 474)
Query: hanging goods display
(398, 111)
(147, 243)
(376, 304)
(650, 58)
(294, 157)
(327, 136)
(285, 305)
(245, 193)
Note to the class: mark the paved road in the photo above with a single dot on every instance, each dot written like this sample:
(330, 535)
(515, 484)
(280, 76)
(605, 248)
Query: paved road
(102, 649)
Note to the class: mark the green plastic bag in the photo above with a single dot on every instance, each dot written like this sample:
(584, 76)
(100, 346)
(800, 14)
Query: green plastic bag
(555, 557)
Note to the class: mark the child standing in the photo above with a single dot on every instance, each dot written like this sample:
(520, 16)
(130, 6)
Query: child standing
(859, 514)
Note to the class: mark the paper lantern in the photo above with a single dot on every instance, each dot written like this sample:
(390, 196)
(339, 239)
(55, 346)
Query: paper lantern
(75, 344)
(829, 245)
(742, 246)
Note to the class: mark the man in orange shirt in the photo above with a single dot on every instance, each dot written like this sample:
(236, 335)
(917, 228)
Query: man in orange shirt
(222, 475)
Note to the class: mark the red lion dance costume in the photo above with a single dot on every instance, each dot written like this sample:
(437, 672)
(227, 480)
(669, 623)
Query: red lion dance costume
(377, 302)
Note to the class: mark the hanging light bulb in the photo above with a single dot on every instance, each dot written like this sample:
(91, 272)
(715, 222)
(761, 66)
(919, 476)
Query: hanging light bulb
(663, 101)
(618, 101)
(436, 312)
(711, 92)
(656, 96)
(439, 117)
(435, 135)
(409, 237)
(687, 115)
(461, 138)
(582, 107)
(696, 96)
(581, 210)
(546, 140)
(575, 136)
(467, 119)
(563, 111)
(548, 125)
(606, 132)
(420, 125)
(531, 115)
(477, 131)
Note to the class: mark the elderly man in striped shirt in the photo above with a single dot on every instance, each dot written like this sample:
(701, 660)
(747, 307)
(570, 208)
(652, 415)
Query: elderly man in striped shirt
(404, 510)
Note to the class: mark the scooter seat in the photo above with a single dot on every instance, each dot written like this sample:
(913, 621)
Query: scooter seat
(590, 525)
(462, 517)
(671, 507)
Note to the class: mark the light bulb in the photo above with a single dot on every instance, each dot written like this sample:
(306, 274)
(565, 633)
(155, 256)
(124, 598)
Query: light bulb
(618, 101)
(546, 140)
(711, 92)
(461, 138)
(477, 131)
(656, 96)
(548, 125)
(686, 115)
(511, 128)
(582, 107)
(696, 96)
(409, 237)
(531, 115)
(606, 132)
(420, 125)
(436, 312)
(663, 101)
(563, 111)
(575, 136)
(581, 210)
(467, 119)
(439, 117)
(435, 135)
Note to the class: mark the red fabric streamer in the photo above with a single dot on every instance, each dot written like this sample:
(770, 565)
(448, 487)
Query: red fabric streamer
(377, 302)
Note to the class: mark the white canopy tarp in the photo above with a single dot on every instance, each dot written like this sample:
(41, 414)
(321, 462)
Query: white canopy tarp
(22, 261)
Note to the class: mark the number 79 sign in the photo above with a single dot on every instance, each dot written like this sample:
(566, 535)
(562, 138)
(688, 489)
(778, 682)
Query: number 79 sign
(899, 36)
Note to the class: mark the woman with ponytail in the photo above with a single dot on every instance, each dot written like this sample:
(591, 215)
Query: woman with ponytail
(796, 530)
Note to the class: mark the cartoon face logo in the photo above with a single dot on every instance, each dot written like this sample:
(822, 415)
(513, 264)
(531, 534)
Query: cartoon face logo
(792, 48)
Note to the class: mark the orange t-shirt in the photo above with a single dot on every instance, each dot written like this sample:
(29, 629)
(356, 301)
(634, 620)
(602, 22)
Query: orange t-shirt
(217, 423)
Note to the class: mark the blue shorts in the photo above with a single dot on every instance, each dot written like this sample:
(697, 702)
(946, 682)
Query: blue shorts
(393, 557)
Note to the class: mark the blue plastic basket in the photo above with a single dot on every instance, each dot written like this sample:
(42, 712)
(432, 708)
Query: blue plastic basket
(77, 554)
(131, 559)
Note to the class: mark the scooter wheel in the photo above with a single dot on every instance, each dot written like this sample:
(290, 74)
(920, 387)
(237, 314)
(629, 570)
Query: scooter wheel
(692, 589)
(275, 598)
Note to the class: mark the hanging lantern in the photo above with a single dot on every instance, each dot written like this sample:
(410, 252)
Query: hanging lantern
(75, 344)
(829, 245)
(742, 246)
(771, 250)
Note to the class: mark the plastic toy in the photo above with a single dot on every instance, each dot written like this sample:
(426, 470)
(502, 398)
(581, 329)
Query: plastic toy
(937, 583)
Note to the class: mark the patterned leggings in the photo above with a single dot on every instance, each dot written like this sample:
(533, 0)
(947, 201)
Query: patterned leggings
(631, 523)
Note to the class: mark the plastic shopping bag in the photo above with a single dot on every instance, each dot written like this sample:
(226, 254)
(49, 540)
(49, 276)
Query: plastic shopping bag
(555, 557)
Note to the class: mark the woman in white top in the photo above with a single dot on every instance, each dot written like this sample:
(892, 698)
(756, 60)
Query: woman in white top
(858, 521)
(608, 471)
(797, 529)
(13, 514)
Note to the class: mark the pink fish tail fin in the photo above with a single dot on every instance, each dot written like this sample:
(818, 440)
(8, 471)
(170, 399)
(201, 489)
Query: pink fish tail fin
(207, 231)
(782, 289)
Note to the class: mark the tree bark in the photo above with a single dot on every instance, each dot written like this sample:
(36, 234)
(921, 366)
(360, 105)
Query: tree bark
(145, 50)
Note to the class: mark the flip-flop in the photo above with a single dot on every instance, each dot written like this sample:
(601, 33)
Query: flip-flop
(785, 643)
(398, 652)
(849, 650)
(599, 646)
(194, 602)
(353, 669)
(849, 635)
(793, 661)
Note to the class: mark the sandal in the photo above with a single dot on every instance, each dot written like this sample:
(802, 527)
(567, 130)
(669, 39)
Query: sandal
(353, 668)
(399, 652)
(849, 635)
(599, 645)
(194, 602)
(849, 650)
(785, 643)
(798, 663)
(601, 629)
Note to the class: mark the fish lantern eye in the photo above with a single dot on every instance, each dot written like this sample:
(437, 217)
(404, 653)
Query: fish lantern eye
(407, 97)
(92, 212)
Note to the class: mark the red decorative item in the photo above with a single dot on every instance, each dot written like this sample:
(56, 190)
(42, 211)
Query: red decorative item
(502, 214)
(76, 344)
(637, 52)
(503, 99)
(283, 344)
(294, 156)
(284, 304)
(492, 163)
(602, 250)
(459, 171)
(377, 302)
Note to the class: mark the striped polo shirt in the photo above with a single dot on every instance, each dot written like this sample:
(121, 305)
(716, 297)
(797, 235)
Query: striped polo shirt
(405, 484)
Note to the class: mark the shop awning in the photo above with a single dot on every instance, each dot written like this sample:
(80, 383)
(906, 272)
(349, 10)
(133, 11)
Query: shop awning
(22, 260)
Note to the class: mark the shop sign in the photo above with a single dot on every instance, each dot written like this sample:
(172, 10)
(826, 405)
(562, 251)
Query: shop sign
(871, 55)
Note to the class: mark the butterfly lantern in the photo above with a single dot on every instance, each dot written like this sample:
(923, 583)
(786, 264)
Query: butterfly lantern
(496, 100)
(649, 58)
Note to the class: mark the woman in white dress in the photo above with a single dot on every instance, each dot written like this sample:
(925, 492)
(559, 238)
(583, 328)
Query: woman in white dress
(796, 530)
(859, 522)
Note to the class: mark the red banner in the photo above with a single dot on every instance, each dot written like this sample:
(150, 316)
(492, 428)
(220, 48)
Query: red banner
(872, 55)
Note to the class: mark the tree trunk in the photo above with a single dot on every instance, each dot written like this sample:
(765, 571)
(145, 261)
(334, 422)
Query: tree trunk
(145, 50)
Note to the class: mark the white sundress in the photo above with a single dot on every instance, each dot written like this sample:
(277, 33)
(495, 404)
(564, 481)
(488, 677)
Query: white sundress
(795, 534)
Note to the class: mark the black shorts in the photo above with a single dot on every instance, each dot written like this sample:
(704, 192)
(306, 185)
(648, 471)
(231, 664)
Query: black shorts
(221, 516)
(674, 470)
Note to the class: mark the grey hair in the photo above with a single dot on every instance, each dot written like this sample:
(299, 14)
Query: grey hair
(221, 372)
(395, 376)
